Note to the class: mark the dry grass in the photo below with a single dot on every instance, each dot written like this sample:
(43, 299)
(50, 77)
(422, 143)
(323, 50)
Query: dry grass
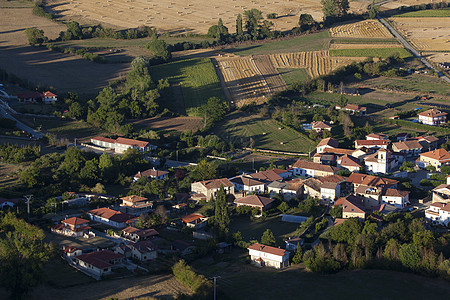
(429, 34)
(316, 63)
(181, 16)
(362, 29)
(172, 124)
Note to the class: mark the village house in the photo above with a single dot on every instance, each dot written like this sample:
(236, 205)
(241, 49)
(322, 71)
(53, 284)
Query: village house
(376, 136)
(327, 143)
(332, 187)
(438, 213)
(354, 109)
(49, 98)
(271, 175)
(104, 142)
(285, 189)
(262, 203)
(381, 161)
(401, 137)
(293, 243)
(71, 251)
(196, 221)
(411, 148)
(325, 158)
(267, 256)
(372, 144)
(247, 184)
(123, 144)
(210, 188)
(349, 162)
(433, 117)
(397, 198)
(352, 207)
(152, 174)
(75, 227)
(142, 251)
(29, 97)
(137, 234)
(320, 126)
(372, 181)
(307, 168)
(99, 263)
(435, 158)
(441, 193)
(112, 217)
(311, 187)
(135, 205)
(362, 152)
(427, 142)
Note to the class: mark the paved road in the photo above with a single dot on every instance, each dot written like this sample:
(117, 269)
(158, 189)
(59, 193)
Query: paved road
(410, 48)
(35, 134)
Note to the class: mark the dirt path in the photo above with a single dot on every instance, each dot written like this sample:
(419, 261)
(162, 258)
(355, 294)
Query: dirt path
(149, 286)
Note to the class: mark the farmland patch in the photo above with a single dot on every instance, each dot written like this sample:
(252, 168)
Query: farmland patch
(370, 52)
(362, 29)
(172, 124)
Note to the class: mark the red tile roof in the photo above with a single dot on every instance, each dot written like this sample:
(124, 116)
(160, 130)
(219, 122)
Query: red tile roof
(371, 142)
(441, 155)
(216, 183)
(133, 198)
(112, 215)
(143, 246)
(269, 175)
(151, 173)
(407, 145)
(355, 107)
(254, 200)
(433, 113)
(320, 125)
(268, 249)
(333, 178)
(330, 142)
(103, 139)
(378, 136)
(370, 180)
(338, 151)
(140, 232)
(352, 205)
(49, 94)
(100, 259)
(303, 164)
(75, 221)
(242, 180)
(349, 161)
(395, 193)
(130, 142)
(191, 217)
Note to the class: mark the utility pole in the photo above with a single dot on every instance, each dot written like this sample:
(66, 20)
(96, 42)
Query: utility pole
(28, 197)
(215, 279)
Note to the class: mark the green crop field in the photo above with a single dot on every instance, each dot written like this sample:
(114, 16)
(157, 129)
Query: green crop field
(370, 52)
(197, 78)
(310, 42)
(293, 75)
(265, 133)
(426, 13)
(337, 40)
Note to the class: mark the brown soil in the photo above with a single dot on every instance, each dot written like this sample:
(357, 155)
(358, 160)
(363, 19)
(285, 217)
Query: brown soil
(178, 124)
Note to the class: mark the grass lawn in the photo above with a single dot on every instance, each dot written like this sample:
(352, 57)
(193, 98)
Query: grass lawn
(66, 128)
(361, 284)
(445, 12)
(265, 133)
(310, 42)
(290, 75)
(370, 52)
(60, 275)
(253, 230)
(197, 78)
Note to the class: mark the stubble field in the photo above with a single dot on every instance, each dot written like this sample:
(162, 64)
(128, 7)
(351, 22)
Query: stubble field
(180, 17)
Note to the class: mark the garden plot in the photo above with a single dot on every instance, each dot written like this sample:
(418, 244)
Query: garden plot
(362, 29)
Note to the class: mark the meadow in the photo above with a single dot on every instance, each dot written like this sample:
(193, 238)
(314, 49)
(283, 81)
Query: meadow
(370, 52)
(196, 77)
(425, 13)
(292, 75)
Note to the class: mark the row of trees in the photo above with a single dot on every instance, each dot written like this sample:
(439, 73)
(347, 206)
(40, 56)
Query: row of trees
(15, 154)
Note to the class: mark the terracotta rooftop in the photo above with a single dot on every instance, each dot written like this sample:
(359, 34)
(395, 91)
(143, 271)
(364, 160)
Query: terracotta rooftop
(130, 142)
(320, 125)
(104, 139)
(349, 161)
(112, 215)
(407, 145)
(143, 246)
(49, 94)
(333, 178)
(246, 181)
(268, 249)
(75, 221)
(395, 193)
(303, 164)
(133, 198)
(254, 200)
(441, 155)
(338, 151)
(150, 173)
(268, 175)
(355, 107)
(370, 180)
(100, 259)
(360, 143)
(378, 136)
(330, 142)
(433, 113)
(352, 205)
(216, 183)
(191, 217)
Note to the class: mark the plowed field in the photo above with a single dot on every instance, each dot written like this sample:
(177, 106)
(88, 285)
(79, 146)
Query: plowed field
(362, 29)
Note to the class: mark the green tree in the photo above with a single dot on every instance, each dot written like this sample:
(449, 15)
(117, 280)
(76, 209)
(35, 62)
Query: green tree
(89, 174)
(347, 231)
(252, 18)
(35, 36)
(268, 238)
(218, 31)
(306, 21)
(239, 30)
(373, 10)
(410, 256)
(204, 171)
(22, 255)
(297, 258)
(221, 215)
(334, 8)
(283, 207)
(159, 48)
(76, 111)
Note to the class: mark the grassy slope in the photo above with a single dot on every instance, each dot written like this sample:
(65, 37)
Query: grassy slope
(370, 52)
(66, 128)
(293, 75)
(316, 41)
(239, 125)
(198, 81)
(426, 13)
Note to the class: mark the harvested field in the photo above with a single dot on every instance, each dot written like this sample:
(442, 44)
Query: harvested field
(371, 52)
(364, 46)
(399, 3)
(243, 80)
(428, 34)
(164, 286)
(438, 57)
(362, 29)
(181, 17)
(270, 74)
(316, 63)
(172, 124)
(425, 13)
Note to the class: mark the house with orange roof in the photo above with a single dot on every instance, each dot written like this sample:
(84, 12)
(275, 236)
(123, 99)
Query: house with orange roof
(321, 126)
(435, 158)
(152, 174)
(135, 205)
(123, 144)
(353, 207)
(376, 136)
(271, 175)
(397, 198)
(327, 143)
(137, 234)
(142, 251)
(248, 184)
(209, 188)
(98, 263)
(433, 117)
(411, 148)
(312, 169)
(49, 97)
(267, 256)
(354, 109)
(438, 213)
(196, 221)
(349, 162)
(71, 251)
(260, 202)
(112, 217)
(103, 142)
(75, 227)
(441, 193)
(372, 144)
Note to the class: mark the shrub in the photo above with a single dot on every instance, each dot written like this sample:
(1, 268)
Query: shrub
(186, 275)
